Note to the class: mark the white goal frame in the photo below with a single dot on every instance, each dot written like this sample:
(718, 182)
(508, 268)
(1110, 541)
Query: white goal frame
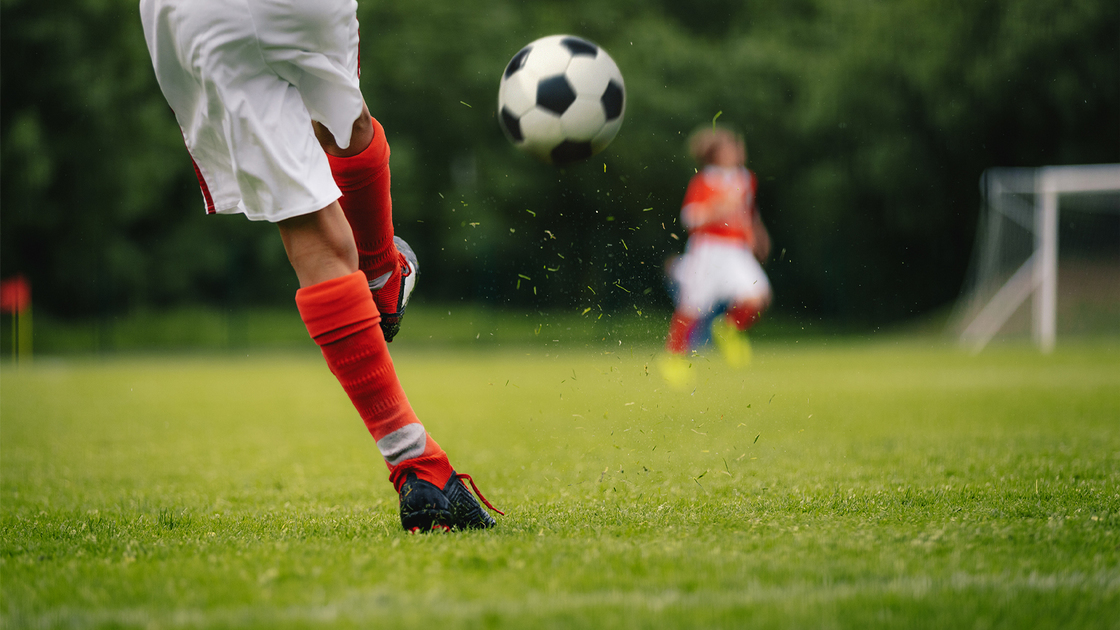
(1038, 276)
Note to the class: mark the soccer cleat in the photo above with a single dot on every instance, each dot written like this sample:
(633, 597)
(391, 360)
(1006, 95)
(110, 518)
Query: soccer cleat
(676, 369)
(732, 343)
(466, 513)
(410, 272)
(424, 507)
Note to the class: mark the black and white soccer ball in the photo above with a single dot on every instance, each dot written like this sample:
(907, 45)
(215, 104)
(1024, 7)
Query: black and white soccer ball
(561, 99)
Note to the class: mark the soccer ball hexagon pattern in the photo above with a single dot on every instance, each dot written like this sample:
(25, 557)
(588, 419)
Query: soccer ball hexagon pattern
(561, 99)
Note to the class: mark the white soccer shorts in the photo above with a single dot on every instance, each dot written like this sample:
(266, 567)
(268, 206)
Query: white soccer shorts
(716, 271)
(245, 79)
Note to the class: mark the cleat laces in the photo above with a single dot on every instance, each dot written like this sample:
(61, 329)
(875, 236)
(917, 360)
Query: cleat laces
(476, 491)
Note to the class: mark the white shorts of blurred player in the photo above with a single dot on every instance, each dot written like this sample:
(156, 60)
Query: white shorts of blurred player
(245, 79)
(715, 272)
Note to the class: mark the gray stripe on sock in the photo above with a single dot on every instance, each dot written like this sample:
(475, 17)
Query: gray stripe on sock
(380, 281)
(404, 443)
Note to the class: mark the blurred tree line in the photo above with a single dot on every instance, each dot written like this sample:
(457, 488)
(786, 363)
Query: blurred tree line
(868, 124)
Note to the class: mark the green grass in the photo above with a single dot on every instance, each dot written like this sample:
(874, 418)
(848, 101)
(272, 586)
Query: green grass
(834, 484)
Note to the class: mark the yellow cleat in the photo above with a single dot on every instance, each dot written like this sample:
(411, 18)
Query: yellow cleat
(732, 343)
(676, 370)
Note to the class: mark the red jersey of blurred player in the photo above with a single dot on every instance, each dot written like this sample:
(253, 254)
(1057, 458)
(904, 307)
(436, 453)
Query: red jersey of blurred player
(719, 203)
(726, 240)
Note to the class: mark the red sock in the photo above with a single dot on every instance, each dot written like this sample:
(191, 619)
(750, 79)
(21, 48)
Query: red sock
(341, 317)
(364, 181)
(680, 333)
(743, 316)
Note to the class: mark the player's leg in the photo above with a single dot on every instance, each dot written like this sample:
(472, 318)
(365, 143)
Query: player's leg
(319, 246)
(338, 309)
(732, 340)
(751, 294)
(693, 306)
(698, 275)
(750, 290)
(680, 281)
(361, 171)
(314, 47)
(335, 304)
(746, 313)
(675, 365)
(681, 329)
(731, 333)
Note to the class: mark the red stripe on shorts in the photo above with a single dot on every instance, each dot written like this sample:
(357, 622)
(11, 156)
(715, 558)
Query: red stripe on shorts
(198, 173)
(205, 189)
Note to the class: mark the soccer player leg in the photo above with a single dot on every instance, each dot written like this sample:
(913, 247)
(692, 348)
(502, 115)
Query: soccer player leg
(336, 306)
(745, 314)
(681, 327)
(687, 278)
(315, 46)
(693, 306)
(675, 366)
(751, 291)
(732, 342)
(364, 178)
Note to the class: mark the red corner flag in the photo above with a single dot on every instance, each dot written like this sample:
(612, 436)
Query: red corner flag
(15, 294)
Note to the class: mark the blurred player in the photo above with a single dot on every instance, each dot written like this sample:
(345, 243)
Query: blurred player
(266, 94)
(720, 266)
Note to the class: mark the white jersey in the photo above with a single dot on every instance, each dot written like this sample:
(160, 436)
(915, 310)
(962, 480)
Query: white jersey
(245, 79)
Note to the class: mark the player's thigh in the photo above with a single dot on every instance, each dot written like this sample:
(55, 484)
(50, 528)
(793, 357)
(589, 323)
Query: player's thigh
(313, 44)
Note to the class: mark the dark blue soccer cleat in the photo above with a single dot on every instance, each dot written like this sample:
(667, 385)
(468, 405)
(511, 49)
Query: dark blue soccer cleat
(426, 508)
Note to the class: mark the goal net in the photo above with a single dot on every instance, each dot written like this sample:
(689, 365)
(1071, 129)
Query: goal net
(1046, 259)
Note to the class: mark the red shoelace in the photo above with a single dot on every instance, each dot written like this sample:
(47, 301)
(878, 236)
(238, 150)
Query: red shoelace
(468, 478)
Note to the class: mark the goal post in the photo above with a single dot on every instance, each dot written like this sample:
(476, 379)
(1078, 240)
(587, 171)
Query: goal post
(1016, 255)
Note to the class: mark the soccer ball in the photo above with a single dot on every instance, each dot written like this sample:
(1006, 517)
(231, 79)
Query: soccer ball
(561, 99)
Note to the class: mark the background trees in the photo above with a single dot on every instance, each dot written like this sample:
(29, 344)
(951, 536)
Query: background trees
(868, 124)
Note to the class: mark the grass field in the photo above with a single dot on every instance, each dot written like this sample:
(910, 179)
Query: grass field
(833, 484)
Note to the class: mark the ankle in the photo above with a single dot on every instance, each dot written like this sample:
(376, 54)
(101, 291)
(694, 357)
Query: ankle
(435, 469)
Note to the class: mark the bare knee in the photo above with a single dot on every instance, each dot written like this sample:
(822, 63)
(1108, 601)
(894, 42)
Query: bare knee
(361, 134)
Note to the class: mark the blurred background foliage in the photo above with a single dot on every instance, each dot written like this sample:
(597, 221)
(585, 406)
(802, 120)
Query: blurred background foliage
(868, 124)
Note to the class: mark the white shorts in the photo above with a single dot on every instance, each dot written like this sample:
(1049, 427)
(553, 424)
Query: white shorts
(245, 79)
(714, 271)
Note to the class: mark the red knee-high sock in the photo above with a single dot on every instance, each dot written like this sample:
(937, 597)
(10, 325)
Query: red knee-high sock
(743, 316)
(341, 317)
(364, 181)
(680, 333)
